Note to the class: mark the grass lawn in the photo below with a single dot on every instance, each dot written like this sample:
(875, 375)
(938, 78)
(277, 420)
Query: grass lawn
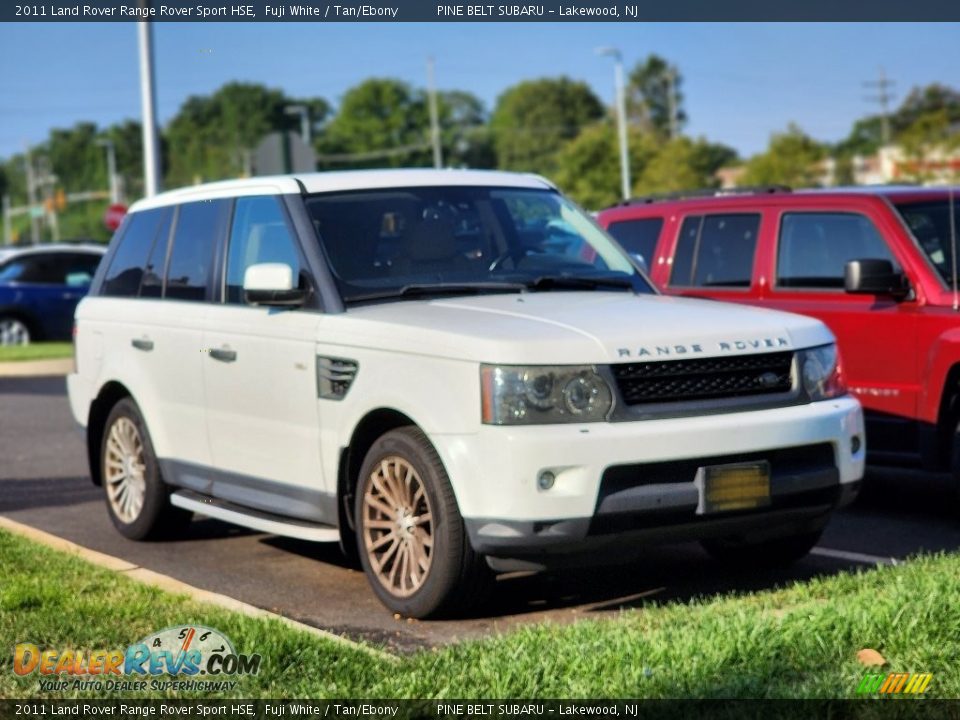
(36, 351)
(797, 642)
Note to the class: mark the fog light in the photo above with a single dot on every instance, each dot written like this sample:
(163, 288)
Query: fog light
(546, 480)
(855, 444)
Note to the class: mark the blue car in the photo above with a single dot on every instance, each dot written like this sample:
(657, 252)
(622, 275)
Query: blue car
(40, 287)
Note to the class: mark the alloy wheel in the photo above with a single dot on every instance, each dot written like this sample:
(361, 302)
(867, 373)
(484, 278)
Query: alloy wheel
(397, 526)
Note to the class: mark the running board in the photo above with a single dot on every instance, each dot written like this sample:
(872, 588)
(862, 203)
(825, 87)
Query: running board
(253, 519)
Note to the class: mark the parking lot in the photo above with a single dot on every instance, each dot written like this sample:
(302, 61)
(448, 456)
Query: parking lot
(44, 483)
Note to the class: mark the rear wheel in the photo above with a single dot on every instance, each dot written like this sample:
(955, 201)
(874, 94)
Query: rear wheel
(138, 501)
(770, 553)
(413, 545)
(13, 331)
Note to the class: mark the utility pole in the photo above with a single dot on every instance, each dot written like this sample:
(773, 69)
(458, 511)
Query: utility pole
(434, 116)
(148, 102)
(672, 100)
(621, 102)
(31, 195)
(884, 96)
(7, 225)
(47, 182)
(111, 169)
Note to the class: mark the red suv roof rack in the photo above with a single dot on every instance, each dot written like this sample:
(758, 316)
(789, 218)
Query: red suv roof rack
(706, 192)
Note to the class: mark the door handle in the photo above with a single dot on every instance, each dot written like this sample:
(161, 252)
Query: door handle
(142, 344)
(223, 354)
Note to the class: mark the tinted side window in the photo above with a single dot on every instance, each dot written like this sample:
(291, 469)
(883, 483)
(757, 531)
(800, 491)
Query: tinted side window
(814, 248)
(79, 268)
(151, 286)
(199, 225)
(259, 235)
(716, 251)
(35, 269)
(638, 237)
(126, 267)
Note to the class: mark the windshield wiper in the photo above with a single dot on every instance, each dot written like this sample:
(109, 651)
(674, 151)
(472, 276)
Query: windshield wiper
(563, 282)
(420, 289)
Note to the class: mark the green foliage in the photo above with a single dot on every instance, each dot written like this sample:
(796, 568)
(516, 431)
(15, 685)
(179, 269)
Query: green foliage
(588, 167)
(212, 137)
(932, 134)
(683, 164)
(791, 159)
(383, 123)
(648, 95)
(534, 119)
(464, 132)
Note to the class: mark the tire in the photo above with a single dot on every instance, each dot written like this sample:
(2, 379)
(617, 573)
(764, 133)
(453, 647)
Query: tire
(138, 501)
(403, 500)
(768, 554)
(955, 462)
(13, 331)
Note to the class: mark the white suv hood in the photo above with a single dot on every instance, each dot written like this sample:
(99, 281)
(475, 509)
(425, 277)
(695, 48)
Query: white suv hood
(573, 327)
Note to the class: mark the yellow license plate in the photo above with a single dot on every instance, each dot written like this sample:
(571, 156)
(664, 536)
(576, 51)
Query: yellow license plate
(742, 486)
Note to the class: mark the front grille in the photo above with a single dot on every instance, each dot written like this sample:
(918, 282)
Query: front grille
(704, 378)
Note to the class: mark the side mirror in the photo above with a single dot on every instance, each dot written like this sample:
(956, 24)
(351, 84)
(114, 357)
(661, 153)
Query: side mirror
(271, 284)
(874, 277)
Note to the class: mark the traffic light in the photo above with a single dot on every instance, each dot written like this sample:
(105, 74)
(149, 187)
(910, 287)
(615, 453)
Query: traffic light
(60, 200)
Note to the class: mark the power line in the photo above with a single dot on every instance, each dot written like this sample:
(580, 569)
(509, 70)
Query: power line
(883, 96)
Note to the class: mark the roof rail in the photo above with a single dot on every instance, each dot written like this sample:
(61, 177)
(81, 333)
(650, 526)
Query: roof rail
(707, 192)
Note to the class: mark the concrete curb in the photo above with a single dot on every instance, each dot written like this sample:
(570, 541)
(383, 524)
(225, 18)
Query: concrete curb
(34, 368)
(172, 585)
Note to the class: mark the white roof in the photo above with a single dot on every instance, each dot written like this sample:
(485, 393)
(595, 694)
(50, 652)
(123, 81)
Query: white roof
(9, 251)
(340, 181)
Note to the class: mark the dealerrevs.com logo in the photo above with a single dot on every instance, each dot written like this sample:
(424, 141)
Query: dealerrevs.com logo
(196, 657)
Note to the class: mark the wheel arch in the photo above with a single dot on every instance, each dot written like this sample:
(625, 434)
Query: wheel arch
(110, 394)
(371, 426)
(26, 317)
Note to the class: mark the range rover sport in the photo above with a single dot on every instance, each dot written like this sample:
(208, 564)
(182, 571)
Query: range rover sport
(450, 373)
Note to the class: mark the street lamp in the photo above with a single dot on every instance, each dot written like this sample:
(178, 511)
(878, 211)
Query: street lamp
(304, 112)
(148, 104)
(621, 100)
(111, 169)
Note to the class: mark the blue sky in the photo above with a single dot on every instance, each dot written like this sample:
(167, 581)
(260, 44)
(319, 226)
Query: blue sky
(742, 81)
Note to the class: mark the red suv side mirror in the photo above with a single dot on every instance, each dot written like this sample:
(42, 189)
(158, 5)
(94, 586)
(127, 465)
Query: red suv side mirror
(874, 277)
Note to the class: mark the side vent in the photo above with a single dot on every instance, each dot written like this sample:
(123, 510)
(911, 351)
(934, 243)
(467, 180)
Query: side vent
(334, 377)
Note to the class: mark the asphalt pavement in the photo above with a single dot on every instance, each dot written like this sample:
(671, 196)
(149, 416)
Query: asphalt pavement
(44, 483)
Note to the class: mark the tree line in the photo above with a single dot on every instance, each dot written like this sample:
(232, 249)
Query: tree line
(557, 127)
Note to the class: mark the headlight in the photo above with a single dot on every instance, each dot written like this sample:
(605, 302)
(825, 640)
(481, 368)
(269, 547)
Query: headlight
(541, 394)
(821, 373)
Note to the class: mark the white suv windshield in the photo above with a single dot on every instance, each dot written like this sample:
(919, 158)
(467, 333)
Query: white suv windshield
(409, 241)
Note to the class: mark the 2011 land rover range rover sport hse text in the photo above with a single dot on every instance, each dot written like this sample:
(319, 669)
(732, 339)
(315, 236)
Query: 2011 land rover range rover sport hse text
(450, 373)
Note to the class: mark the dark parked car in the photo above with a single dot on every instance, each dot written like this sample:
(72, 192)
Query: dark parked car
(40, 287)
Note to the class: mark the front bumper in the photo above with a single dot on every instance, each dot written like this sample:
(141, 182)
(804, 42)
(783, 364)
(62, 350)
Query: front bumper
(623, 483)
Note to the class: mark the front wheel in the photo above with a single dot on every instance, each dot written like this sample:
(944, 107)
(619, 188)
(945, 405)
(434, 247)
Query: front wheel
(413, 545)
(770, 553)
(138, 501)
(13, 331)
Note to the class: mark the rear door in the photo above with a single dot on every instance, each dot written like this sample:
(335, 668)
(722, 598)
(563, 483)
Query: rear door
(259, 370)
(714, 255)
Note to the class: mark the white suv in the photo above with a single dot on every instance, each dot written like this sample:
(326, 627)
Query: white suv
(448, 372)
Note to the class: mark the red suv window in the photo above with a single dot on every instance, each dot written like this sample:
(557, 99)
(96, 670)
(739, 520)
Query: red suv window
(814, 247)
(715, 251)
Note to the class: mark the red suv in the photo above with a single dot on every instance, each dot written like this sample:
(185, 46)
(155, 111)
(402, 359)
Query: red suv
(878, 265)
